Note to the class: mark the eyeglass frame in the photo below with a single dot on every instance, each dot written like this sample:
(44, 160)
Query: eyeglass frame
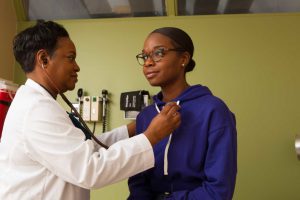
(140, 55)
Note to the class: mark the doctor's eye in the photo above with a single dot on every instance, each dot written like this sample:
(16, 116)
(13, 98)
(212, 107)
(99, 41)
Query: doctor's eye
(71, 58)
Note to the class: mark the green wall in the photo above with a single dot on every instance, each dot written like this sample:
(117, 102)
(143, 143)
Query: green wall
(250, 61)
(8, 26)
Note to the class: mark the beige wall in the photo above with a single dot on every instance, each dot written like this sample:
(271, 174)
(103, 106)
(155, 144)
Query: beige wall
(250, 61)
(8, 23)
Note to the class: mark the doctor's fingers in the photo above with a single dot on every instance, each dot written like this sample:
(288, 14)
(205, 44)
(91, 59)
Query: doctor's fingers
(170, 109)
(175, 118)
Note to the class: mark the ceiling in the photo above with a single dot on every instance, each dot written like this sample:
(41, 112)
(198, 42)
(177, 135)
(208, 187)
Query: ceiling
(86, 9)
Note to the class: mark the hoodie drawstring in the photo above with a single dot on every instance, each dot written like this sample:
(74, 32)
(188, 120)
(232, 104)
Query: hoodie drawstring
(167, 145)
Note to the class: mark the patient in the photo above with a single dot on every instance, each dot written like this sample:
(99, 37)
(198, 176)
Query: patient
(199, 159)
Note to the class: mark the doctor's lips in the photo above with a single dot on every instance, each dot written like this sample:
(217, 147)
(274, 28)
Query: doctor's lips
(75, 76)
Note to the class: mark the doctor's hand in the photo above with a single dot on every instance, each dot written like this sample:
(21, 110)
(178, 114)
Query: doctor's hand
(164, 123)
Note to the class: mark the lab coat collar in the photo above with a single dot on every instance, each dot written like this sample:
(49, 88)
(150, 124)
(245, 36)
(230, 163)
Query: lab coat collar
(31, 83)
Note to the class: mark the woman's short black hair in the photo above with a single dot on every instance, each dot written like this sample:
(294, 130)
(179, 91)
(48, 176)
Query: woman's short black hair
(182, 40)
(43, 35)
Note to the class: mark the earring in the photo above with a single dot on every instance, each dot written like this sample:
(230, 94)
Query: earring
(182, 64)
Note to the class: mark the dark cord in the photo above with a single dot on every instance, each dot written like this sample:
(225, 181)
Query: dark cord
(104, 122)
(94, 127)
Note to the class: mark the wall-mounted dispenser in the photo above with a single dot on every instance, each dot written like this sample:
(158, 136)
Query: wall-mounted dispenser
(133, 102)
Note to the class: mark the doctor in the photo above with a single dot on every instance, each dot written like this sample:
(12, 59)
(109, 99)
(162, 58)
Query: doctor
(42, 154)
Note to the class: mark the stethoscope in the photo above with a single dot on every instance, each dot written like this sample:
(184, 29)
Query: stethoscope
(66, 100)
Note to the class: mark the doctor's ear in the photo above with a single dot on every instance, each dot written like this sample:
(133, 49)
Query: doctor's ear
(42, 57)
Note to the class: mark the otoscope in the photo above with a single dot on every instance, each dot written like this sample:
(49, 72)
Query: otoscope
(104, 109)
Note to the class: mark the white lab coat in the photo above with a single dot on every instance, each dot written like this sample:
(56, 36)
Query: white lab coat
(43, 156)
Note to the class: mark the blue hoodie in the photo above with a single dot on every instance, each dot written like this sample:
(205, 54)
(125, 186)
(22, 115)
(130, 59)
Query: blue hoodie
(200, 161)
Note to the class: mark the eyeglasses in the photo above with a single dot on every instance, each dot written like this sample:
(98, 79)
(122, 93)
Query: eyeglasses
(156, 55)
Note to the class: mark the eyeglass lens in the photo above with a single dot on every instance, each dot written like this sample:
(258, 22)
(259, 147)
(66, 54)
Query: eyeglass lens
(156, 55)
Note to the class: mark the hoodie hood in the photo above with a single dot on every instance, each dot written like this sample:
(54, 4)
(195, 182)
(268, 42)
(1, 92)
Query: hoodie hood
(193, 92)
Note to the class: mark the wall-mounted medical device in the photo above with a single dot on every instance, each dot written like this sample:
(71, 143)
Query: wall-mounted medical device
(133, 102)
(86, 108)
(92, 108)
(104, 101)
(77, 118)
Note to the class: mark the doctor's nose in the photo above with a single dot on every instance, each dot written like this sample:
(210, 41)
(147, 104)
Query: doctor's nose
(76, 67)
